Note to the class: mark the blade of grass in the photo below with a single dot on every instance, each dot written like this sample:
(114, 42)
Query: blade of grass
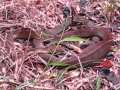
(57, 64)
(98, 83)
(73, 38)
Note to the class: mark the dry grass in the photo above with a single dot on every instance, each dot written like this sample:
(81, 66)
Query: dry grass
(21, 70)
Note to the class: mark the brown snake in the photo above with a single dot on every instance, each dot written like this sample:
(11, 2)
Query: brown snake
(91, 54)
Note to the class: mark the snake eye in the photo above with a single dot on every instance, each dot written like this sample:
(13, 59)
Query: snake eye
(83, 46)
(46, 42)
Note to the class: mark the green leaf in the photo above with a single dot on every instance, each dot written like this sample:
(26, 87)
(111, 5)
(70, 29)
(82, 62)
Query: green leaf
(73, 38)
(57, 64)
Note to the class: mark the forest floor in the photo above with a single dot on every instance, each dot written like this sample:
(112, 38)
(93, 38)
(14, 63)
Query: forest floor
(27, 28)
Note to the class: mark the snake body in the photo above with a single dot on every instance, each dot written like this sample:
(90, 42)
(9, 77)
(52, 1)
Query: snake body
(93, 53)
